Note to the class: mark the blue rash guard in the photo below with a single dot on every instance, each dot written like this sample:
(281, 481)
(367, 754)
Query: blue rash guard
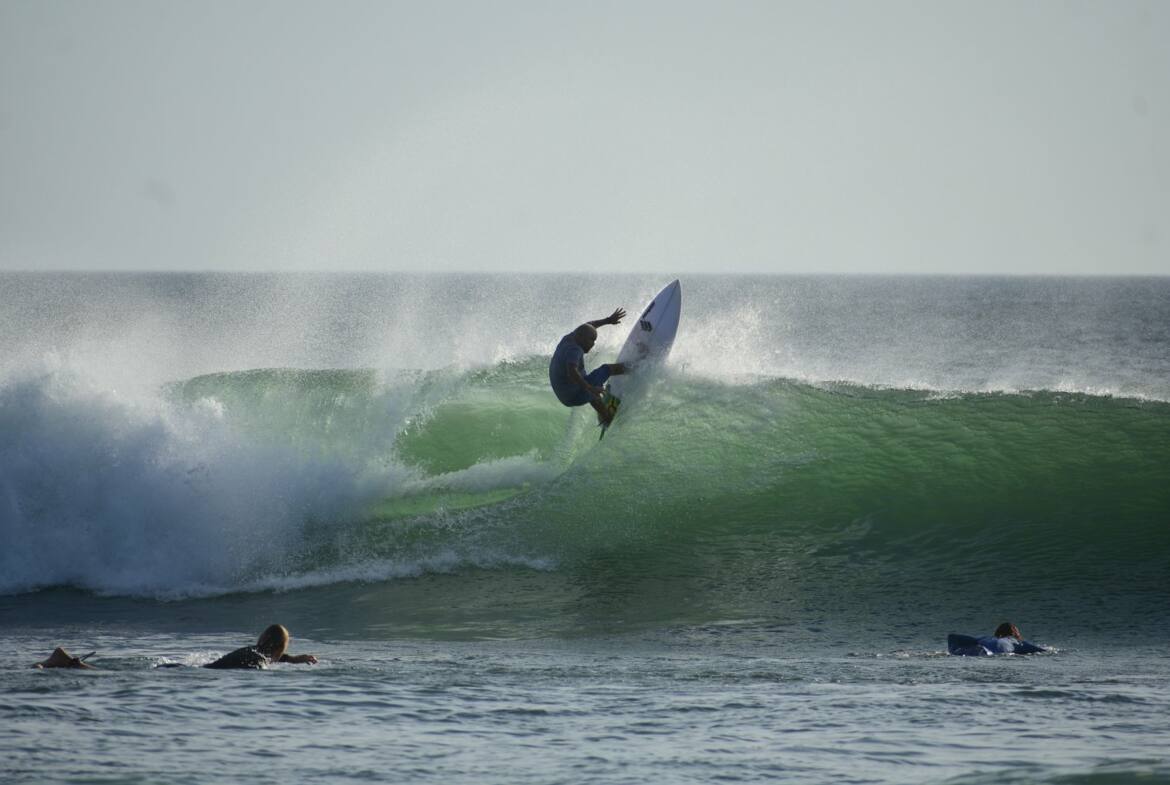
(569, 354)
(967, 646)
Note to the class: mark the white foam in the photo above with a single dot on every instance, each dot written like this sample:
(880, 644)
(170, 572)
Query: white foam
(139, 496)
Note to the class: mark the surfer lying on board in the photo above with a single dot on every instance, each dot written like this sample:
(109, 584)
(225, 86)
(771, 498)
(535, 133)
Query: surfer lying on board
(271, 647)
(1006, 640)
(566, 371)
(63, 659)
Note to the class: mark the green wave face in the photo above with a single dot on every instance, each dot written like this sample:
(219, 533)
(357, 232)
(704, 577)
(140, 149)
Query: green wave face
(743, 498)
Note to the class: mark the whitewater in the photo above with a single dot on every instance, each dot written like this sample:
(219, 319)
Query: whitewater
(751, 578)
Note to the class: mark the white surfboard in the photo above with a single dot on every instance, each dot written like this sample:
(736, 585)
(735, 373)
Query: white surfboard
(648, 344)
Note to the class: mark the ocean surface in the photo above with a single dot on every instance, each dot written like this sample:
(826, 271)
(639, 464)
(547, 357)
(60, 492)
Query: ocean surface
(750, 579)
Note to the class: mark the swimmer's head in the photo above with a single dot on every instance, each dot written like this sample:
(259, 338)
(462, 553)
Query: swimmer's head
(273, 642)
(585, 336)
(1007, 630)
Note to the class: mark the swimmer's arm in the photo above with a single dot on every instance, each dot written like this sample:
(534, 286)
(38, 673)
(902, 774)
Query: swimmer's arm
(1023, 647)
(299, 659)
(613, 318)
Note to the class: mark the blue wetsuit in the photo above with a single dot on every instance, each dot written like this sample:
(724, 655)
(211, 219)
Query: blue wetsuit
(966, 646)
(569, 354)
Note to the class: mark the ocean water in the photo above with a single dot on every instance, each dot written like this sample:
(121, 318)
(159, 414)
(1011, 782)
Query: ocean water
(751, 578)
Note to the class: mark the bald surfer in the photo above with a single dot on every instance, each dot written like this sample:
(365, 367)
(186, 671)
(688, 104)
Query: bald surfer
(566, 370)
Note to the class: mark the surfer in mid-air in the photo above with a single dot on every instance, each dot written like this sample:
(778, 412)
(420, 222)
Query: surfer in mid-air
(566, 371)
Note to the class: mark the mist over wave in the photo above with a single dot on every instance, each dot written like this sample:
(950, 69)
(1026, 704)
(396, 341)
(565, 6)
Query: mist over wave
(135, 331)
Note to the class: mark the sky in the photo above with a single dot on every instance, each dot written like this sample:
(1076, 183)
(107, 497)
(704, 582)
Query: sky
(554, 136)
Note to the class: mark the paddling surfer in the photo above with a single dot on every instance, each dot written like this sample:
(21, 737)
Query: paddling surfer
(271, 647)
(63, 659)
(566, 370)
(1005, 640)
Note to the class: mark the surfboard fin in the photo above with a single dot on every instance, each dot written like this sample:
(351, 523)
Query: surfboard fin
(612, 402)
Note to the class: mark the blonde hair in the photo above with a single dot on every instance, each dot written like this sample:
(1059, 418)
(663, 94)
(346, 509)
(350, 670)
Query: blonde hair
(273, 642)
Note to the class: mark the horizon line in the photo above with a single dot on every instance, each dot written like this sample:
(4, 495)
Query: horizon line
(600, 274)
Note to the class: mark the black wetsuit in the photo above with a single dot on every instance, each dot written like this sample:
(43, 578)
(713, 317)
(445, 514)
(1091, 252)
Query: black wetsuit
(247, 657)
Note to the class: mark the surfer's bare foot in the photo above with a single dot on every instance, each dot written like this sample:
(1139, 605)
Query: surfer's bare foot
(617, 369)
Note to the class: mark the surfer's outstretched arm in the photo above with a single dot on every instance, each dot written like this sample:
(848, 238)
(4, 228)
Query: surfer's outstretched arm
(299, 659)
(613, 318)
(1024, 647)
